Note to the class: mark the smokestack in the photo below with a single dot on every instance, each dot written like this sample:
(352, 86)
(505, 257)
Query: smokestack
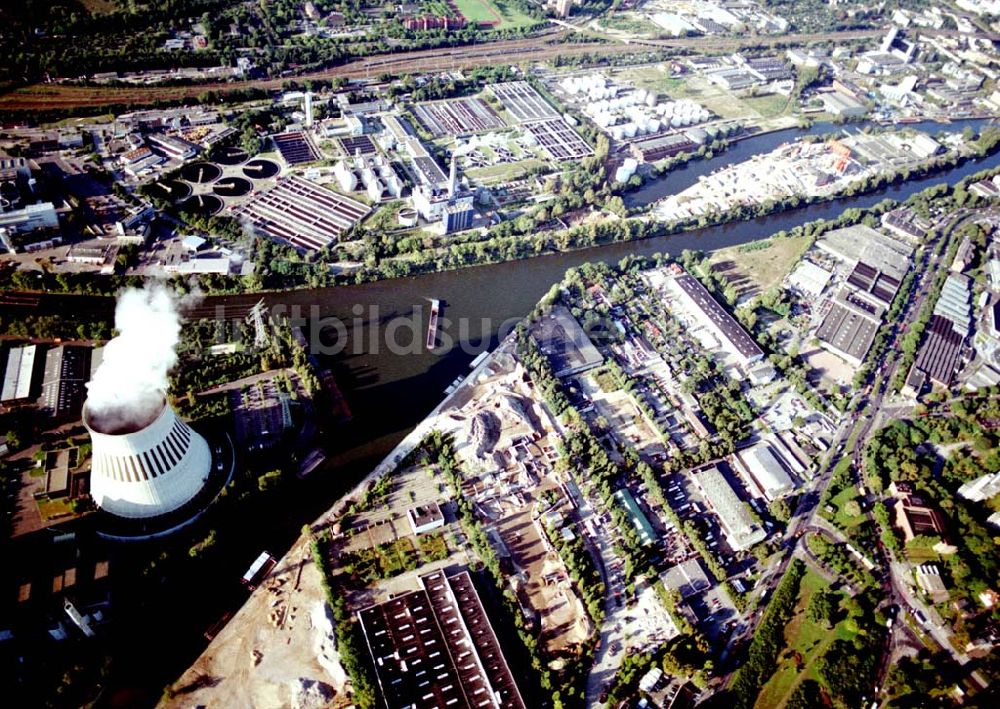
(452, 177)
(145, 468)
(309, 109)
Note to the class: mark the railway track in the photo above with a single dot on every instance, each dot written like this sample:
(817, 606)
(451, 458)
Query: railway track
(41, 97)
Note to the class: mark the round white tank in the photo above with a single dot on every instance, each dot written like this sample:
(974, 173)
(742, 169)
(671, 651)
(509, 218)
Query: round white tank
(675, 122)
(149, 469)
(629, 129)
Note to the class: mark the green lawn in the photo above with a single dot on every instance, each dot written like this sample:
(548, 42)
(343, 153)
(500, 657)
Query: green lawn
(433, 547)
(764, 268)
(503, 172)
(841, 518)
(768, 106)
(498, 11)
(805, 642)
(51, 509)
(606, 381)
(921, 555)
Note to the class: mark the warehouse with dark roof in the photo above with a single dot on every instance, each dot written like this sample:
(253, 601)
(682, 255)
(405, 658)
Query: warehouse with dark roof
(435, 647)
(706, 310)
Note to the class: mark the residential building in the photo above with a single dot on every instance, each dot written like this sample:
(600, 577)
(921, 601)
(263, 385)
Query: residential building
(424, 518)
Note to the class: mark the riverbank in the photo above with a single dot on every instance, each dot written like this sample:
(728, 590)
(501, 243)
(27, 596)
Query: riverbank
(462, 255)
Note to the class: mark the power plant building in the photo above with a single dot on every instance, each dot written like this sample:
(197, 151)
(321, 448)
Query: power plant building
(64, 380)
(147, 469)
(457, 216)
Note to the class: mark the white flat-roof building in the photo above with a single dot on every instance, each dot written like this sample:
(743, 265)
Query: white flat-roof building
(424, 518)
(734, 516)
(809, 279)
(17, 378)
(766, 471)
(982, 488)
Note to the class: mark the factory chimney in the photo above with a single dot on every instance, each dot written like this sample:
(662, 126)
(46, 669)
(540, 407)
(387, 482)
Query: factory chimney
(452, 177)
(309, 109)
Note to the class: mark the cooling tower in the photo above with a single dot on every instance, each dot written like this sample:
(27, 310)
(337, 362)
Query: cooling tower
(145, 468)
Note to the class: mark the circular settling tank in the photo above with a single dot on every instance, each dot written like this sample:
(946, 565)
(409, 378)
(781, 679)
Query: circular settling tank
(232, 187)
(260, 169)
(201, 172)
(174, 190)
(203, 205)
(407, 217)
(231, 156)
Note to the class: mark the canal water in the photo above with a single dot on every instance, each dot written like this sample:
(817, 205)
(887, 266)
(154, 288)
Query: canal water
(681, 178)
(389, 392)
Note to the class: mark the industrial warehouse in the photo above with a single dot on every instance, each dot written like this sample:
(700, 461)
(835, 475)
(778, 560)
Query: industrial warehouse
(435, 647)
(699, 305)
(458, 117)
(523, 102)
(740, 529)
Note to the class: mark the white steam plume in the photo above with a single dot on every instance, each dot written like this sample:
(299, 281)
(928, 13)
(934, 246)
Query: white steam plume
(126, 390)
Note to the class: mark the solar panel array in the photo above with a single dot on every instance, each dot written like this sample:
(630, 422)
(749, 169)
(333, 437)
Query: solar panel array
(302, 213)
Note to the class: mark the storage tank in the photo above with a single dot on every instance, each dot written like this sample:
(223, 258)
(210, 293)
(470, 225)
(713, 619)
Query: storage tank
(407, 217)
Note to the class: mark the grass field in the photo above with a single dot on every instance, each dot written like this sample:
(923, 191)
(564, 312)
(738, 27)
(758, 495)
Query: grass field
(805, 642)
(760, 269)
(502, 172)
(496, 11)
(768, 106)
(606, 381)
(98, 7)
(841, 518)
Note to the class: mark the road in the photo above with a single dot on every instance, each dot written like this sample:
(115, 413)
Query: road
(611, 649)
(862, 423)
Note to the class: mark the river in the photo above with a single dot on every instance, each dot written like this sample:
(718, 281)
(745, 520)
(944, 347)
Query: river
(389, 393)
